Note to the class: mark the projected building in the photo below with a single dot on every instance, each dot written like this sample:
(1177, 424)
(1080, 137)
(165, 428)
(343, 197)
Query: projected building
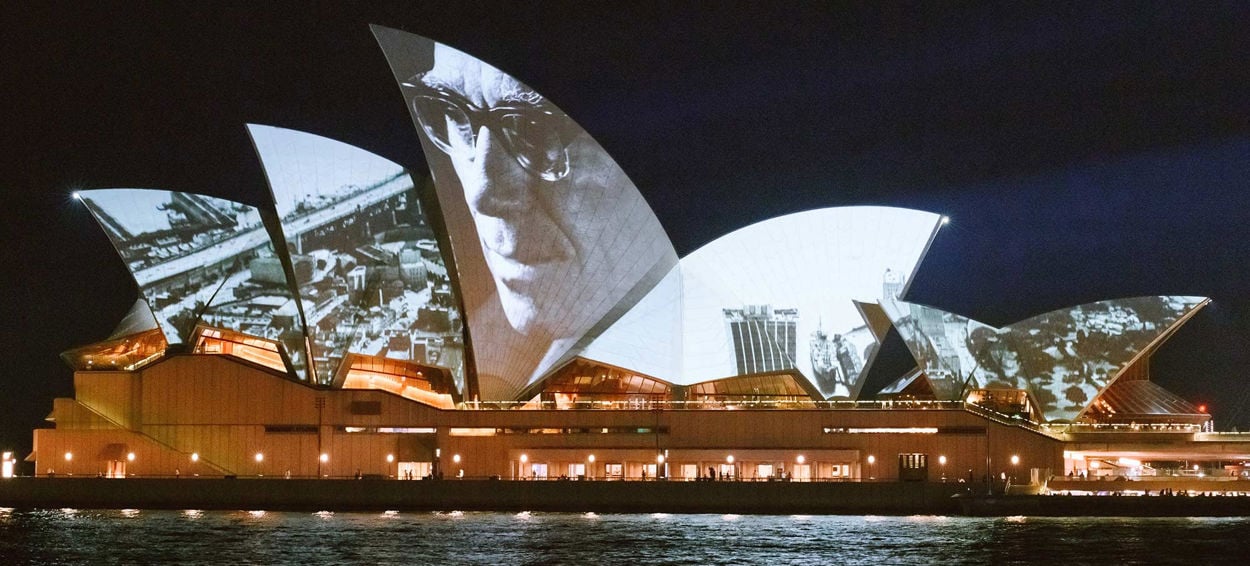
(521, 313)
(763, 338)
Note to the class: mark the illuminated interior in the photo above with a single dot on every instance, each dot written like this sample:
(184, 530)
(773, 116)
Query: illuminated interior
(773, 388)
(426, 384)
(583, 383)
(1010, 402)
(126, 353)
(259, 351)
(1142, 402)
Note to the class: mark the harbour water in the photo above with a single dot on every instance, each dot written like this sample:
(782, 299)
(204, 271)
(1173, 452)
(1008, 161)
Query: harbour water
(77, 536)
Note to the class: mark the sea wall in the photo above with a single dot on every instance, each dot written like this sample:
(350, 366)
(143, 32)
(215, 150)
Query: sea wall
(894, 498)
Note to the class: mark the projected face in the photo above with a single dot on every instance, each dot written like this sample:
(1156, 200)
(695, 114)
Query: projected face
(528, 173)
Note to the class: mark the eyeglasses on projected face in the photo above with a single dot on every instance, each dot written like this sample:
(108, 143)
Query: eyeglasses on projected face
(536, 135)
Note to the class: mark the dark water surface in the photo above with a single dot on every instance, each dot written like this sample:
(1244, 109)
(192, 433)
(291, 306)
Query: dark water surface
(212, 537)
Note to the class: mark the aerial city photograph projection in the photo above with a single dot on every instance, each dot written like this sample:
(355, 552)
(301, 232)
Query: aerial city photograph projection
(1064, 358)
(371, 277)
(201, 260)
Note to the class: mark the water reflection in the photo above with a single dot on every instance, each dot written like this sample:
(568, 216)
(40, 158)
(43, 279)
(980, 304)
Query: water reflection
(211, 537)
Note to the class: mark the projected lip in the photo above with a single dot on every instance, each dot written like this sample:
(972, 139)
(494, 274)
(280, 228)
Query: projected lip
(521, 268)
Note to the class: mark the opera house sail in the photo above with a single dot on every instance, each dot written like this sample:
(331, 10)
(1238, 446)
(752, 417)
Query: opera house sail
(371, 277)
(208, 271)
(552, 240)
(775, 296)
(1064, 359)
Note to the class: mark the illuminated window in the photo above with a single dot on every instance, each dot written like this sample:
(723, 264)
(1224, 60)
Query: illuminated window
(259, 351)
(425, 384)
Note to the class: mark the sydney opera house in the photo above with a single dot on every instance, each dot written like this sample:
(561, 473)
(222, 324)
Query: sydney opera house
(519, 312)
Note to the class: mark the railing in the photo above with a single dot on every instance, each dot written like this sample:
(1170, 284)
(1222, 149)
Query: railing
(722, 404)
(379, 477)
(1174, 428)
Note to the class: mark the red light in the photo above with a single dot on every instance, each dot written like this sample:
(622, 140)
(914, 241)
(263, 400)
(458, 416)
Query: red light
(1202, 408)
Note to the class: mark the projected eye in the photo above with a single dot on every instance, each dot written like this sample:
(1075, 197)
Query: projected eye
(447, 125)
(538, 146)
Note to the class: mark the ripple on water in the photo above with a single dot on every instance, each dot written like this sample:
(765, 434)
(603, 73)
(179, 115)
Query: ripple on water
(212, 537)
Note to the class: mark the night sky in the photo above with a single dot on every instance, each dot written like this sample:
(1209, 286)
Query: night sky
(1082, 153)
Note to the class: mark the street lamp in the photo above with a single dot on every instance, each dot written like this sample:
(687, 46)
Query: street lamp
(590, 467)
(872, 461)
(524, 460)
(942, 463)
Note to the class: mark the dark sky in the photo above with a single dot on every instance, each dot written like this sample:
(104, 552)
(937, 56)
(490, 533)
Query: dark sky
(1083, 153)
